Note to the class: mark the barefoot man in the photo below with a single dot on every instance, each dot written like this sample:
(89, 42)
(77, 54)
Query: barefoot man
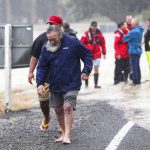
(60, 58)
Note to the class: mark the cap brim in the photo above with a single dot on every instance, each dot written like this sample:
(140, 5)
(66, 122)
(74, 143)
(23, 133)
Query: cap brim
(50, 22)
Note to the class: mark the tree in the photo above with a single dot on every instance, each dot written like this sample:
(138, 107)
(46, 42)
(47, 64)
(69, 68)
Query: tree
(114, 9)
(31, 11)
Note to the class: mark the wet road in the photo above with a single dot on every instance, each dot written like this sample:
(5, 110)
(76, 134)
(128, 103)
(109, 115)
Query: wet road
(96, 124)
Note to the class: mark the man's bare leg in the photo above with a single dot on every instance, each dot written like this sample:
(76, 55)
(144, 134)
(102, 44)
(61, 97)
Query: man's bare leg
(60, 118)
(69, 117)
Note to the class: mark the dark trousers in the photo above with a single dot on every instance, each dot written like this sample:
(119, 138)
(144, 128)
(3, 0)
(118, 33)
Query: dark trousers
(136, 72)
(122, 70)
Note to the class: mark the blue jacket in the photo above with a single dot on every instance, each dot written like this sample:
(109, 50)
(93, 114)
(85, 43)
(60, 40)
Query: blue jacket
(134, 39)
(63, 66)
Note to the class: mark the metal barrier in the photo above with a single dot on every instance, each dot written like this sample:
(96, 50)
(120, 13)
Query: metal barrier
(15, 47)
(22, 39)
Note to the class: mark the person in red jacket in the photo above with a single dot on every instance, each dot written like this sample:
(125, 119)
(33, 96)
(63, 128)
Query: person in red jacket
(122, 63)
(94, 40)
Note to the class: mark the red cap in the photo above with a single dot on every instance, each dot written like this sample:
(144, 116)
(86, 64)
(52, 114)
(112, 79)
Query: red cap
(56, 20)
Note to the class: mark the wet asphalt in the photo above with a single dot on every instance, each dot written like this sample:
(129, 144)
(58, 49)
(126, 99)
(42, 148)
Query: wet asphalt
(94, 128)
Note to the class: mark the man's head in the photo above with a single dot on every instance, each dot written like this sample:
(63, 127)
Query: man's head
(122, 25)
(54, 35)
(66, 25)
(94, 26)
(56, 20)
(128, 19)
(135, 22)
(148, 23)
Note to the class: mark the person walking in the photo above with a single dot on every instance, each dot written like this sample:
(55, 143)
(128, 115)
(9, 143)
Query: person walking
(94, 40)
(60, 58)
(35, 54)
(122, 63)
(147, 42)
(67, 30)
(134, 39)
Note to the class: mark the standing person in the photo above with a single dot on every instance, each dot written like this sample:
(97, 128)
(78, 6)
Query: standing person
(67, 30)
(94, 40)
(122, 63)
(35, 54)
(134, 39)
(61, 59)
(129, 21)
(147, 42)
(129, 28)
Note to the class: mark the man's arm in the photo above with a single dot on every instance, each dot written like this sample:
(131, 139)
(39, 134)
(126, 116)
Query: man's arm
(147, 40)
(35, 53)
(84, 39)
(42, 71)
(116, 43)
(103, 44)
(33, 63)
(86, 56)
(42, 68)
(129, 36)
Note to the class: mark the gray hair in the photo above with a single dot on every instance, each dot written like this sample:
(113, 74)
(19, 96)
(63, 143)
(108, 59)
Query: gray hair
(54, 28)
(135, 21)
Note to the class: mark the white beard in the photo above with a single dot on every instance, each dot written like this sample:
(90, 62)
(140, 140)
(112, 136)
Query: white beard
(52, 48)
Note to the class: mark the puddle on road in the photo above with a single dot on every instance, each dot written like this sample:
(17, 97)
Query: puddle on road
(133, 100)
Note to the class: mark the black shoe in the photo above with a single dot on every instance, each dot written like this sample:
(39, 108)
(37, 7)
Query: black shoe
(133, 84)
(97, 87)
(116, 82)
(126, 81)
(86, 83)
(131, 76)
(86, 86)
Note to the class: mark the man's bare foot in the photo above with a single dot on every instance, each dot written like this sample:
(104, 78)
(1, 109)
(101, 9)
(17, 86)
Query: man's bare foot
(66, 141)
(60, 139)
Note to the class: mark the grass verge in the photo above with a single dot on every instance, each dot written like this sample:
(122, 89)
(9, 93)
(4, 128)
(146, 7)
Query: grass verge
(21, 99)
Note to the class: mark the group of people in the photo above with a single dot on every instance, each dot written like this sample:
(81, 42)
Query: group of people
(128, 50)
(57, 53)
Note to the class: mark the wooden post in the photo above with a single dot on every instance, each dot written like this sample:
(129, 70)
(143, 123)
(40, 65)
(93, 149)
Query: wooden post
(8, 41)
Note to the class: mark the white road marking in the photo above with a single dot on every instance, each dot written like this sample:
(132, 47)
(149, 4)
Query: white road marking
(120, 135)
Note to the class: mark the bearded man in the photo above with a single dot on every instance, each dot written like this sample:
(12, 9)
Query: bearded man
(60, 58)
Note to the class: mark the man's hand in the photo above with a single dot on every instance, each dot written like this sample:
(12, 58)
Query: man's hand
(104, 56)
(30, 77)
(118, 57)
(84, 76)
(40, 90)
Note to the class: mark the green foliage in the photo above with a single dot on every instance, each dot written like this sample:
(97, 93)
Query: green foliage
(34, 11)
(146, 14)
(114, 9)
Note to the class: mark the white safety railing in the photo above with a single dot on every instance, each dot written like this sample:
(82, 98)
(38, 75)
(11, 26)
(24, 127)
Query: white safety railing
(8, 38)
